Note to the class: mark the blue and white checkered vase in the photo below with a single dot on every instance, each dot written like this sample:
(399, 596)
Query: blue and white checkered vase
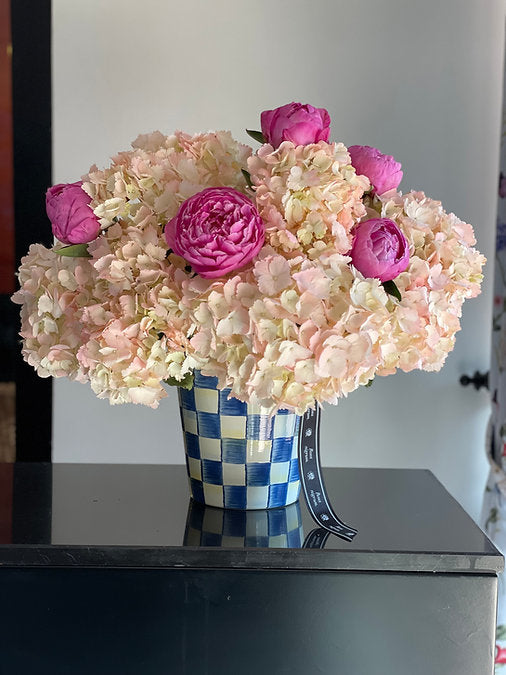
(237, 456)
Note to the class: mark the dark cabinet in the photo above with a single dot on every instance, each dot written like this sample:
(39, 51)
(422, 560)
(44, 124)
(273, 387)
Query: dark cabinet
(110, 569)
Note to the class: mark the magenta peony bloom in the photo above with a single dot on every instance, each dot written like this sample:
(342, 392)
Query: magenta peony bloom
(382, 170)
(73, 221)
(300, 124)
(379, 249)
(216, 231)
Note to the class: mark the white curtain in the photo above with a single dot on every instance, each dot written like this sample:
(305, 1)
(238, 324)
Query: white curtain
(494, 503)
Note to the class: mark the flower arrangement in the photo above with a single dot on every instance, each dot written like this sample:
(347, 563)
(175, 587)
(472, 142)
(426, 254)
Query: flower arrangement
(293, 274)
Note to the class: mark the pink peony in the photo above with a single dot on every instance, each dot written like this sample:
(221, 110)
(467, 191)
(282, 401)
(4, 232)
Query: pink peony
(380, 250)
(382, 170)
(300, 124)
(71, 216)
(216, 231)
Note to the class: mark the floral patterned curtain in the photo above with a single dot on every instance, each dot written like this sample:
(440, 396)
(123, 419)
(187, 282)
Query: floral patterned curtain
(494, 504)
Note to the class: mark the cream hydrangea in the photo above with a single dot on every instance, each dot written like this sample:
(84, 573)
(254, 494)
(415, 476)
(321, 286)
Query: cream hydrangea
(309, 196)
(297, 324)
(150, 182)
(54, 291)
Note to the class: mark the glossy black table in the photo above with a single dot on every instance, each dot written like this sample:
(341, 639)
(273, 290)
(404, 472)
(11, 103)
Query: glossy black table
(111, 569)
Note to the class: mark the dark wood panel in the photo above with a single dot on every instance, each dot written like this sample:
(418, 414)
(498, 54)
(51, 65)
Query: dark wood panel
(7, 424)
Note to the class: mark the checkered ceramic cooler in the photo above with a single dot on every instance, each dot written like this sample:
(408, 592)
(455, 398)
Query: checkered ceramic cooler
(269, 528)
(237, 456)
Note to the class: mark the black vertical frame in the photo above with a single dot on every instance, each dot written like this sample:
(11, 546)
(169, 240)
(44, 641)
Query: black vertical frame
(32, 503)
(32, 150)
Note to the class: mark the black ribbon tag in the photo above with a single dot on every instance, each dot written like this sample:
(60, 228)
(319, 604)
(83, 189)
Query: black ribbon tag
(313, 486)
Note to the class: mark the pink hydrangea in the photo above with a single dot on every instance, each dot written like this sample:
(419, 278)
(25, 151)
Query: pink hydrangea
(309, 197)
(297, 323)
(53, 289)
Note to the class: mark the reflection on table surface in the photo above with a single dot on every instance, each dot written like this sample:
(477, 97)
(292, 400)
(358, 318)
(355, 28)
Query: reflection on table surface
(149, 506)
(272, 528)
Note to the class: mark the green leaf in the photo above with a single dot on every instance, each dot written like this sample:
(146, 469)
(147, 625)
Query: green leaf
(369, 384)
(185, 383)
(74, 251)
(247, 178)
(392, 289)
(256, 135)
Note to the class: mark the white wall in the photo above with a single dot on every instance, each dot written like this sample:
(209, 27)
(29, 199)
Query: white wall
(420, 79)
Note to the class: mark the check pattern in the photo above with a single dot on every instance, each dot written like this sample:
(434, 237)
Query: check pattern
(270, 528)
(237, 456)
